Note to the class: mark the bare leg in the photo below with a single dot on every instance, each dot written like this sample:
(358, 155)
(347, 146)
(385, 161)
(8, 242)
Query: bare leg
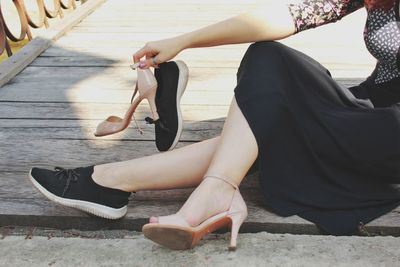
(237, 150)
(180, 168)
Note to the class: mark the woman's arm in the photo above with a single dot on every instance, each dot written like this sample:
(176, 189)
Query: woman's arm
(270, 21)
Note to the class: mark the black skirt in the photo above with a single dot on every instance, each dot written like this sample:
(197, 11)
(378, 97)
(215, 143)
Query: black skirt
(328, 154)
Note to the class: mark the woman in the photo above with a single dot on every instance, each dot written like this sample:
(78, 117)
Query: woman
(324, 152)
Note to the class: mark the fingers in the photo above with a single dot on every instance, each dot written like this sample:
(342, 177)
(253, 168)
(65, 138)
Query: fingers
(139, 54)
(151, 58)
(144, 64)
(145, 51)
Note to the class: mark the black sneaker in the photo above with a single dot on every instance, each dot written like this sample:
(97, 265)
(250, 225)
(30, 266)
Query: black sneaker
(75, 188)
(172, 79)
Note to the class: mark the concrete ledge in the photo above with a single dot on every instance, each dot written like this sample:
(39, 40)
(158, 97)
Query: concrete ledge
(260, 249)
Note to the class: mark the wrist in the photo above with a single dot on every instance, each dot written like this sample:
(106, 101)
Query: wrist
(185, 41)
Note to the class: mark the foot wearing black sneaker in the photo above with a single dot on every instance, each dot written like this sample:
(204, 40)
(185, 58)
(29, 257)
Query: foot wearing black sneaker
(75, 188)
(172, 78)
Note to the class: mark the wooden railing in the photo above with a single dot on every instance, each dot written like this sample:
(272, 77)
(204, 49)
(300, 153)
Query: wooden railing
(26, 21)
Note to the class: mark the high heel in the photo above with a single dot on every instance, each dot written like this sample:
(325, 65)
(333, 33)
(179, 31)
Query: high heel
(181, 235)
(146, 86)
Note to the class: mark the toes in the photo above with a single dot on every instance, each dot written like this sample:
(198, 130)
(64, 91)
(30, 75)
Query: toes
(153, 219)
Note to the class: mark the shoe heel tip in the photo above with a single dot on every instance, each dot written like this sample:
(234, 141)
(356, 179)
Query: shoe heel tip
(231, 248)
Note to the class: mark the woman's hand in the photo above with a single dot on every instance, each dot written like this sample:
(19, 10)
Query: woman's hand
(157, 52)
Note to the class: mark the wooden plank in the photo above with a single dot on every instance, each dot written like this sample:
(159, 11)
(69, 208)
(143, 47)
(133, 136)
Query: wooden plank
(98, 61)
(97, 111)
(43, 213)
(69, 152)
(67, 46)
(169, 7)
(114, 96)
(192, 132)
(127, 49)
(82, 80)
(16, 63)
(91, 111)
(91, 95)
(128, 46)
(85, 86)
(117, 4)
(352, 70)
(200, 92)
(193, 18)
(123, 76)
(18, 184)
(18, 211)
(33, 73)
(332, 57)
(125, 10)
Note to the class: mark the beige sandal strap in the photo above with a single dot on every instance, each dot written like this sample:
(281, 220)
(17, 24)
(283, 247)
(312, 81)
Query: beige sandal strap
(223, 179)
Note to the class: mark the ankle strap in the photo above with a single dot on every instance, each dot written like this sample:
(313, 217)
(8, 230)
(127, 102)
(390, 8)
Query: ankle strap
(222, 179)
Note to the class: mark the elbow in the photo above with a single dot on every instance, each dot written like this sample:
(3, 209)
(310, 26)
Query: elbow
(275, 20)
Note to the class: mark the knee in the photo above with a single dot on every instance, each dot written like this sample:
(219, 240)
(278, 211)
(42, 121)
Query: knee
(262, 54)
(265, 47)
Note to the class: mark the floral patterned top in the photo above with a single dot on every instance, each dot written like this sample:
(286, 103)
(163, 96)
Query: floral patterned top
(381, 34)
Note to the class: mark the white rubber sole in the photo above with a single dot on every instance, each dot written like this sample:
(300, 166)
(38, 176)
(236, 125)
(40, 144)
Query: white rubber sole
(182, 82)
(89, 207)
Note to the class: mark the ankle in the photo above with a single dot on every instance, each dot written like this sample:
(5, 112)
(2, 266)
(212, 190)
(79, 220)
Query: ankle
(219, 195)
(217, 185)
(107, 176)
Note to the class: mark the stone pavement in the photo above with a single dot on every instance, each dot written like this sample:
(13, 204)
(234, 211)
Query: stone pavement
(261, 249)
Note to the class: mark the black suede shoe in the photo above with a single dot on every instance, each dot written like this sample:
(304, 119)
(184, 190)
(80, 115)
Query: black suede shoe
(75, 188)
(172, 79)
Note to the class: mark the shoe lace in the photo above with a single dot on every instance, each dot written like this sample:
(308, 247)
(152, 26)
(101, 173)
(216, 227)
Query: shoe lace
(69, 174)
(159, 122)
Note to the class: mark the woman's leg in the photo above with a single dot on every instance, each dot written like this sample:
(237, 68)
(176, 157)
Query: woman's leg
(236, 152)
(185, 167)
(180, 168)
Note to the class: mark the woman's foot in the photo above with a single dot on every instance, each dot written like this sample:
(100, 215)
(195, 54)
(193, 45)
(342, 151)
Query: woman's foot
(75, 188)
(215, 203)
(211, 197)
(113, 175)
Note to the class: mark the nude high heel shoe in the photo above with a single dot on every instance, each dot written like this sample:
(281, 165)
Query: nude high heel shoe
(180, 235)
(146, 85)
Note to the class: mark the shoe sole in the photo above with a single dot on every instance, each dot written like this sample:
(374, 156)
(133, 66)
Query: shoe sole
(89, 207)
(182, 82)
(180, 238)
(171, 237)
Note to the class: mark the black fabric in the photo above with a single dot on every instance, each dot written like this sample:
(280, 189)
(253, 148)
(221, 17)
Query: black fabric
(166, 127)
(381, 95)
(81, 188)
(397, 12)
(324, 155)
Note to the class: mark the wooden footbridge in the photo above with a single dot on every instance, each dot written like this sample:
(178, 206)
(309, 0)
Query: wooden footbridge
(74, 74)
